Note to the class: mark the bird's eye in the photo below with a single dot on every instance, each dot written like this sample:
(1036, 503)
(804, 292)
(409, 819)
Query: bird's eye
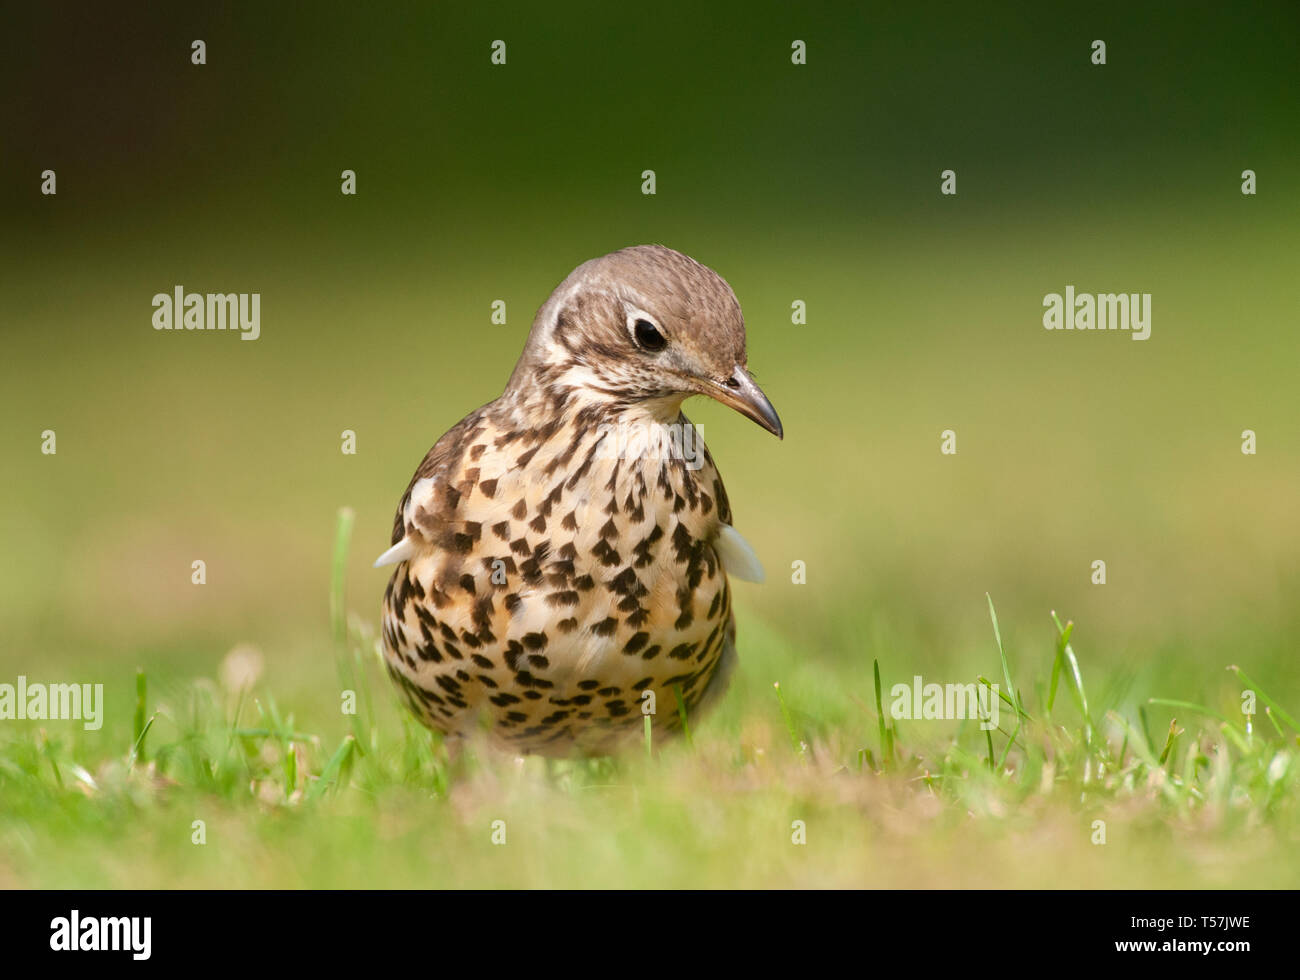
(648, 336)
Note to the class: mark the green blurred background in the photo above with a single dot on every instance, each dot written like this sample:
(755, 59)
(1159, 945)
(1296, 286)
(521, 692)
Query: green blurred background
(816, 182)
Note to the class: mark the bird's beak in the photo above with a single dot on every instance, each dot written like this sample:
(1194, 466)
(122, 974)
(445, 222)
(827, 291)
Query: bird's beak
(740, 392)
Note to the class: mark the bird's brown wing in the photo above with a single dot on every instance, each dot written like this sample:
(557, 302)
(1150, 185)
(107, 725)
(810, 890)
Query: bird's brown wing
(425, 505)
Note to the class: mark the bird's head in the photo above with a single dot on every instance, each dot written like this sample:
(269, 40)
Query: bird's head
(646, 327)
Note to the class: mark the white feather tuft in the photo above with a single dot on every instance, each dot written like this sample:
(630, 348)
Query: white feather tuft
(737, 556)
(399, 552)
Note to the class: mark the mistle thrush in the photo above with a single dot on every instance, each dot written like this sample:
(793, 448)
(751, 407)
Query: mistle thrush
(565, 548)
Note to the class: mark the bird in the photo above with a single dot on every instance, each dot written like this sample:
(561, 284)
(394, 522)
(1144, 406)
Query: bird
(565, 549)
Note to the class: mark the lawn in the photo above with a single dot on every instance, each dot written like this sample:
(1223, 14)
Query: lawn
(814, 782)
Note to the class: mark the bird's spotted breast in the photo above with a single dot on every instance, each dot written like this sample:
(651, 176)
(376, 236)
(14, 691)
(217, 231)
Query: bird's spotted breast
(561, 582)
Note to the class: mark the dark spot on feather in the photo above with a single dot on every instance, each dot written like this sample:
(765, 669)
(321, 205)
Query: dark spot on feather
(513, 652)
(605, 554)
(525, 678)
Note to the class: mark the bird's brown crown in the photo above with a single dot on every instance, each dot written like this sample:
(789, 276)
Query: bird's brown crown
(641, 323)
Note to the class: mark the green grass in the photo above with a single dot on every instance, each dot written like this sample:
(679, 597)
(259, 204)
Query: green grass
(373, 799)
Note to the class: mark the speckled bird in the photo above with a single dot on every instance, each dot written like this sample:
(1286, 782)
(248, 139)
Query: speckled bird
(566, 547)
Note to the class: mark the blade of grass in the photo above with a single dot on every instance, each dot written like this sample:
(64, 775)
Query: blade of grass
(1170, 739)
(1077, 678)
(138, 727)
(1058, 662)
(886, 743)
(338, 573)
(1002, 697)
(1268, 713)
(1281, 712)
(139, 742)
(334, 769)
(789, 721)
(1170, 702)
(1143, 751)
(1006, 668)
(1236, 739)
